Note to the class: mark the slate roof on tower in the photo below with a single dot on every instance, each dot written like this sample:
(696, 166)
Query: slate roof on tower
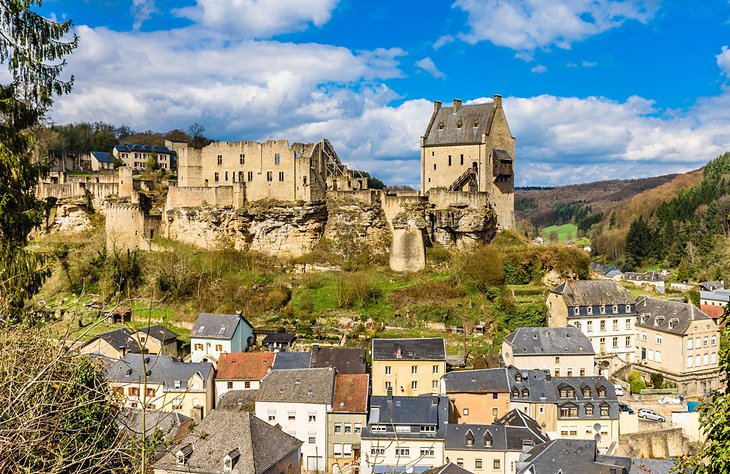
(462, 124)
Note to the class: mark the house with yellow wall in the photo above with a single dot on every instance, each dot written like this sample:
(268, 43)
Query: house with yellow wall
(408, 366)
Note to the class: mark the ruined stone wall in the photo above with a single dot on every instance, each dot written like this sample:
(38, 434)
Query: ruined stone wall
(125, 228)
(659, 444)
(442, 198)
(233, 195)
(97, 192)
(357, 227)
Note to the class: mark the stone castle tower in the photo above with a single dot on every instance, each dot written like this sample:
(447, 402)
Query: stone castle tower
(470, 148)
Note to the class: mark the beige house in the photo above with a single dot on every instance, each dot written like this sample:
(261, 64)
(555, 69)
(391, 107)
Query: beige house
(408, 366)
(567, 407)
(477, 396)
(137, 156)
(492, 448)
(345, 422)
(604, 311)
(680, 342)
(157, 382)
(470, 148)
(156, 339)
(561, 351)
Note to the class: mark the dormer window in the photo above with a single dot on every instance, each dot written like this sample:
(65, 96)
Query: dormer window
(476, 123)
(488, 440)
(658, 320)
(603, 309)
(589, 410)
(644, 317)
(515, 393)
(201, 329)
(615, 309)
(604, 409)
(525, 393)
(601, 392)
(589, 309)
(518, 377)
(230, 460)
(441, 125)
(183, 454)
(576, 311)
(458, 124)
(673, 322)
(469, 439)
(586, 392)
(567, 392)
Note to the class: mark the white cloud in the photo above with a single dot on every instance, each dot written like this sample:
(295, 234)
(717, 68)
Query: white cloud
(428, 65)
(258, 18)
(723, 60)
(443, 41)
(589, 63)
(142, 10)
(531, 24)
(539, 69)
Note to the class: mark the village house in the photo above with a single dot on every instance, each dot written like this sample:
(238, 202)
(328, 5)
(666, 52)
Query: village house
(232, 442)
(562, 351)
(242, 371)
(404, 432)
(216, 334)
(137, 156)
(156, 340)
(345, 422)
(470, 148)
(493, 447)
(163, 383)
(448, 468)
(101, 161)
(408, 366)
(292, 360)
(477, 396)
(604, 311)
(345, 360)
(567, 407)
(298, 400)
(653, 278)
(279, 341)
(680, 342)
(713, 302)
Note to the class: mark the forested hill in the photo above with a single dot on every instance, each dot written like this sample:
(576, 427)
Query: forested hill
(561, 204)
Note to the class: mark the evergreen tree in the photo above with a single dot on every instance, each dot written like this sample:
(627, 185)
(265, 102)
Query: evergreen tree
(33, 48)
(638, 243)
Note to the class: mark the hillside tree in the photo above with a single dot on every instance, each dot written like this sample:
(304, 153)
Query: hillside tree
(33, 48)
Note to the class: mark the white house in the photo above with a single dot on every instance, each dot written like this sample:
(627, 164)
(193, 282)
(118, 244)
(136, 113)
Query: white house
(298, 400)
(216, 334)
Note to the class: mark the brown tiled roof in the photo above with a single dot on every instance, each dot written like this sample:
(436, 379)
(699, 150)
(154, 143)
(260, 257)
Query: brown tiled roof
(244, 365)
(351, 393)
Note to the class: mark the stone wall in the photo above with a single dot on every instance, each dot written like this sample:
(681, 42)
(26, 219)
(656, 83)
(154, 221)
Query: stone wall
(661, 444)
(443, 198)
(357, 226)
(233, 195)
(96, 192)
(129, 227)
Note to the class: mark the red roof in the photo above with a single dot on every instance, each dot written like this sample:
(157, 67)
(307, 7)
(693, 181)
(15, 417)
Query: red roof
(244, 365)
(351, 393)
(715, 312)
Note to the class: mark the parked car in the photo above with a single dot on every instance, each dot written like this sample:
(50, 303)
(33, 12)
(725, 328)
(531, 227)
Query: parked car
(626, 408)
(647, 414)
(619, 390)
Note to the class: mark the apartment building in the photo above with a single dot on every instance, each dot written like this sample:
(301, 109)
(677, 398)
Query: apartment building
(408, 366)
(564, 351)
(477, 396)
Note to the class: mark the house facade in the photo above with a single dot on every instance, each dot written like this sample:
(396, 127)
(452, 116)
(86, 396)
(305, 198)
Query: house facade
(299, 400)
(156, 339)
(404, 433)
(604, 311)
(101, 161)
(216, 334)
(471, 148)
(477, 396)
(345, 422)
(563, 351)
(137, 156)
(567, 407)
(156, 382)
(409, 366)
(680, 342)
(713, 302)
(242, 371)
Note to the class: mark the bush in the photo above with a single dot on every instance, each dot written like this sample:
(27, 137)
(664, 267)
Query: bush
(657, 380)
(483, 267)
(633, 376)
(355, 289)
(637, 386)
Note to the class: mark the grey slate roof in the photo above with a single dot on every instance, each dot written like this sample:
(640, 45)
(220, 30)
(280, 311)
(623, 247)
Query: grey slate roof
(543, 388)
(502, 435)
(103, 157)
(549, 341)
(161, 369)
(410, 349)
(568, 457)
(159, 332)
(449, 468)
(117, 338)
(414, 411)
(652, 276)
(292, 360)
(660, 314)
(238, 400)
(451, 133)
(279, 338)
(345, 360)
(260, 445)
(518, 426)
(298, 386)
(476, 381)
(717, 295)
(593, 293)
(167, 422)
(217, 326)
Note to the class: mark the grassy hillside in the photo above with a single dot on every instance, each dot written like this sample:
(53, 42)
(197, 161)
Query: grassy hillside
(563, 233)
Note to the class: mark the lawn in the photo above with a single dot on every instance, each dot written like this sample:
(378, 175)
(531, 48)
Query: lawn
(564, 232)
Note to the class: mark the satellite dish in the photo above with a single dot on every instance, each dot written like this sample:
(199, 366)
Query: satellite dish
(597, 427)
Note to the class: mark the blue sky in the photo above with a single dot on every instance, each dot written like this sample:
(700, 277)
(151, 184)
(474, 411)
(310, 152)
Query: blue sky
(594, 89)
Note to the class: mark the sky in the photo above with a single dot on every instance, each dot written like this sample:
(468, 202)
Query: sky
(593, 89)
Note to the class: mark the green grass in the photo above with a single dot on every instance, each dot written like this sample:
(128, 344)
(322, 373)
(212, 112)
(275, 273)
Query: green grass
(564, 232)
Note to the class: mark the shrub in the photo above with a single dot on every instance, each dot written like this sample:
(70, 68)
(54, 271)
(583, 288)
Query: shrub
(637, 386)
(483, 267)
(355, 289)
(657, 380)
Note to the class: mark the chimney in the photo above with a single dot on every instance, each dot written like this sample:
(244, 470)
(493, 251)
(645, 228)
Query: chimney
(457, 104)
(123, 350)
(436, 105)
(390, 393)
(497, 100)
(398, 352)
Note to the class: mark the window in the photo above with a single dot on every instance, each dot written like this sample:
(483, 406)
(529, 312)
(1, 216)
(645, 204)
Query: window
(658, 356)
(496, 465)
(312, 438)
(706, 359)
(358, 428)
(250, 176)
(582, 372)
(628, 324)
(435, 369)
(281, 176)
(177, 404)
(576, 311)
(466, 412)
(697, 343)
(150, 392)
(216, 178)
(557, 359)
(277, 159)
(601, 392)
(577, 324)
(658, 338)
(434, 166)
(272, 416)
(615, 324)
(377, 451)
(402, 451)
(705, 342)
(604, 410)
(689, 343)
(269, 176)
(557, 372)
(414, 369)
(220, 159)
(226, 178)
(388, 385)
(567, 392)
(388, 370)
(569, 410)
(427, 452)
(312, 417)
(240, 177)
(650, 355)
(698, 360)
(603, 309)
(347, 450)
(348, 428)
(462, 159)
(603, 325)
(614, 342)
(219, 347)
(628, 341)
(589, 326)
(644, 336)
(477, 464)
(615, 309)
(525, 393)
(586, 392)
(229, 385)
(291, 415)
(689, 361)
(337, 450)
(495, 396)
(377, 429)
(570, 372)
(133, 391)
(495, 412)
(714, 340)
(713, 358)
(414, 385)
(589, 310)
(460, 462)
(241, 159)
(435, 385)
(428, 429)
(589, 410)
(246, 384)
(338, 428)
(449, 160)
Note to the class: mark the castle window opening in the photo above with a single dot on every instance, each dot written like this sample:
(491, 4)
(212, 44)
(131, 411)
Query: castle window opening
(215, 177)
(304, 179)
(226, 175)
(277, 159)
(449, 160)
(240, 176)
(269, 176)
(242, 158)
(220, 159)
(434, 166)
(281, 176)
(250, 175)
(462, 159)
